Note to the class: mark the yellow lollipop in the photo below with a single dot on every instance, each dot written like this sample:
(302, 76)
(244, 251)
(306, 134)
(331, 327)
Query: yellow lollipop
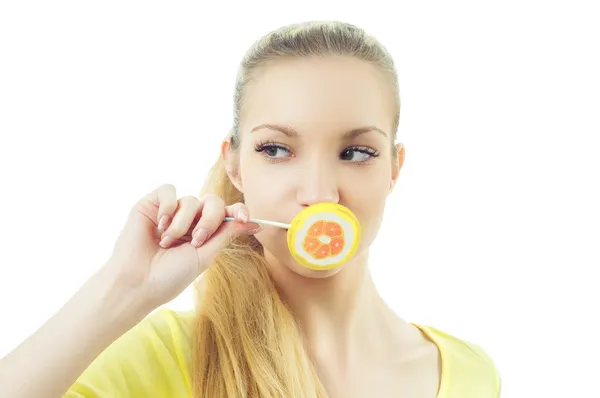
(324, 236)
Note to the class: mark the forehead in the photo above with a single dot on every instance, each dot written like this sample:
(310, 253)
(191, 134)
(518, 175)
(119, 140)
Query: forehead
(342, 92)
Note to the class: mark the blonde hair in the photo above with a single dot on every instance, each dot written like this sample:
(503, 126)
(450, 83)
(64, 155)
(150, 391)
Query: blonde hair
(246, 342)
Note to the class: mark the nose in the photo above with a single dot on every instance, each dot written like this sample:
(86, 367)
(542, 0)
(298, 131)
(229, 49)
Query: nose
(317, 183)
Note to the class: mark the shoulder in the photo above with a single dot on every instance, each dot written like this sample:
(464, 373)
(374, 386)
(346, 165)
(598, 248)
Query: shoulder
(466, 366)
(164, 334)
(154, 356)
(167, 324)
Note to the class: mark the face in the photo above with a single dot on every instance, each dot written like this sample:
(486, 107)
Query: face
(315, 131)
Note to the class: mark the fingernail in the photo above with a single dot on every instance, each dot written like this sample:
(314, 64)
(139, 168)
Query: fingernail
(161, 223)
(166, 241)
(255, 230)
(199, 237)
(242, 215)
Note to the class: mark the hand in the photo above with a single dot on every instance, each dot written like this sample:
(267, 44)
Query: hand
(167, 243)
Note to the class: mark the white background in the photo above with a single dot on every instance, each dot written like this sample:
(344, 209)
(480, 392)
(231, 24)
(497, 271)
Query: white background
(492, 234)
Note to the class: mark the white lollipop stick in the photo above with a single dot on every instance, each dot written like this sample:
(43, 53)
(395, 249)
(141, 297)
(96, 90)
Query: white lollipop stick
(252, 220)
(264, 222)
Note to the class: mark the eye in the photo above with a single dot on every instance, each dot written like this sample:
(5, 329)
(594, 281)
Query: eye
(272, 150)
(359, 154)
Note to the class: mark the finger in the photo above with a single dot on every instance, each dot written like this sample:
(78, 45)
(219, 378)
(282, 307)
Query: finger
(239, 211)
(165, 197)
(212, 216)
(185, 214)
(222, 237)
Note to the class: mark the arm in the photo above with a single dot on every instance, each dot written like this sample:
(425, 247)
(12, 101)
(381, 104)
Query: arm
(51, 360)
(151, 264)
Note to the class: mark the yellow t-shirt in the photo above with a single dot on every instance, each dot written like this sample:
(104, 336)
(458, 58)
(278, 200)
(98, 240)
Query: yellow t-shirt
(153, 360)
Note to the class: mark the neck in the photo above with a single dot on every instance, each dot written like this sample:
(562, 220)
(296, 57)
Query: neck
(338, 314)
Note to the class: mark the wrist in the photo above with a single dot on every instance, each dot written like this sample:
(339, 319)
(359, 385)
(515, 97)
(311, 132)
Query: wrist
(113, 303)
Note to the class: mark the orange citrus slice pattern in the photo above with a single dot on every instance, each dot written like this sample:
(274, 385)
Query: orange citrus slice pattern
(324, 239)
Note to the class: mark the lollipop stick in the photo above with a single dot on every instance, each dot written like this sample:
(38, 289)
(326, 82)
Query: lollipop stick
(264, 222)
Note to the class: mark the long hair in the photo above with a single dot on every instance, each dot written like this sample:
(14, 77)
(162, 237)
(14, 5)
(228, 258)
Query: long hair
(246, 342)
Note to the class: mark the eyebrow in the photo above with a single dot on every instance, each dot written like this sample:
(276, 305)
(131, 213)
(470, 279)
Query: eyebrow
(290, 132)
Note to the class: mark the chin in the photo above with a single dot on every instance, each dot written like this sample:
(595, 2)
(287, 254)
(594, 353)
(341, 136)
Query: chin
(311, 273)
(274, 244)
(298, 269)
(275, 247)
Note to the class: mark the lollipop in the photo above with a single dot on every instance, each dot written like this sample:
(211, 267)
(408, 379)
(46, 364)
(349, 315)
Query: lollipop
(322, 236)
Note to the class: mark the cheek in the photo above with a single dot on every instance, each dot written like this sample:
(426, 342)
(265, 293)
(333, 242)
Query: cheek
(274, 241)
(254, 184)
(263, 191)
(366, 186)
(366, 195)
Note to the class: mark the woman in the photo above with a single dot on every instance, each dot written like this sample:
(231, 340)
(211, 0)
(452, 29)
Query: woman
(315, 119)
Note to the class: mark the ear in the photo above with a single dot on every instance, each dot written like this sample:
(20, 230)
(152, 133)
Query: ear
(231, 161)
(397, 164)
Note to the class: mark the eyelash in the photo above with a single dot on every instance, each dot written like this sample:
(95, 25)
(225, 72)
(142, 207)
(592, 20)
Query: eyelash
(264, 145)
